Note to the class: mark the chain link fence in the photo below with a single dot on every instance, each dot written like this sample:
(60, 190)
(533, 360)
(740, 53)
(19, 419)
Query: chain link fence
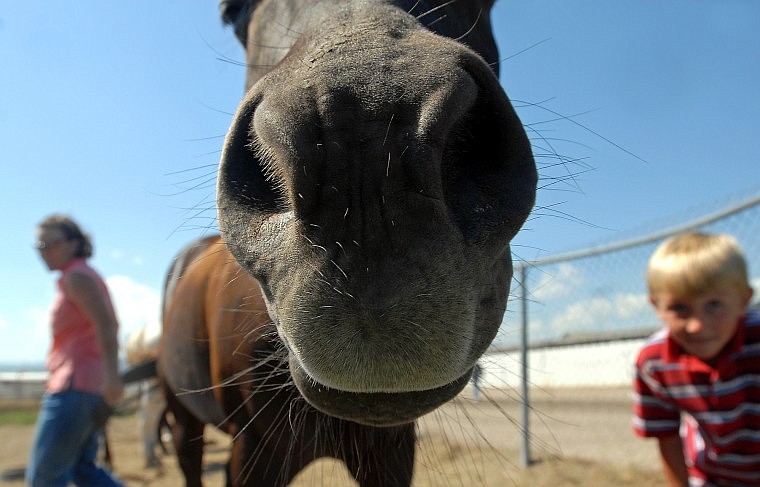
(599, 294)
(583, 315)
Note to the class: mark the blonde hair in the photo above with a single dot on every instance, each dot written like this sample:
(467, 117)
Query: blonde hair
(694, 263)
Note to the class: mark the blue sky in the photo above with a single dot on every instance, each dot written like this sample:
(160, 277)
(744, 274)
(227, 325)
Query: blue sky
(115, 113)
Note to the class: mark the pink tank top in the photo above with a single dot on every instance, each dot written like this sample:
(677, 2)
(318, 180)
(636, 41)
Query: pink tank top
(74, 360)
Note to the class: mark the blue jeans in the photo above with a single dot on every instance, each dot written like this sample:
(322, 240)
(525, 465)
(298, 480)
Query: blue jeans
(66, 443)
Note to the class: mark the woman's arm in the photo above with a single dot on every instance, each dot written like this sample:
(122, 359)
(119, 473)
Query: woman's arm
(84, 291)
(673, 463)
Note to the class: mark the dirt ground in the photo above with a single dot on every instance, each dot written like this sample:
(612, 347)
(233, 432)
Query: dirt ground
(577, 437)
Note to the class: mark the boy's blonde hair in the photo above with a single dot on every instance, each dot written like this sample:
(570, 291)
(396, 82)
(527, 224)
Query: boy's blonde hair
(694, 263)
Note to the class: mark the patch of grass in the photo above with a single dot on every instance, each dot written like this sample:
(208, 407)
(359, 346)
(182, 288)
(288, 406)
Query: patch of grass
(18, 411)
(17, 417)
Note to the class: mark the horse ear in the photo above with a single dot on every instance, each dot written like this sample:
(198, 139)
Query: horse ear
(237, 13)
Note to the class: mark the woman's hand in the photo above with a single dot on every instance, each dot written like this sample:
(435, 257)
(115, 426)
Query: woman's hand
(113, 390)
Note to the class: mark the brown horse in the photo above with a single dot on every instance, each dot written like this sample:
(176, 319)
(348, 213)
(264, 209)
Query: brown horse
(224, 365)
(371, 182)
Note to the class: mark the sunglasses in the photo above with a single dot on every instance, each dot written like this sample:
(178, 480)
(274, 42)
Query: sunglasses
(42, 245)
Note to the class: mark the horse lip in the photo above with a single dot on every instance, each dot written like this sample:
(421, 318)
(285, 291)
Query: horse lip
(373, 409)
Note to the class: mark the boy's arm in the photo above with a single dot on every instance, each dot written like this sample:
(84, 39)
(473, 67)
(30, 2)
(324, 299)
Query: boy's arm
(673, 463)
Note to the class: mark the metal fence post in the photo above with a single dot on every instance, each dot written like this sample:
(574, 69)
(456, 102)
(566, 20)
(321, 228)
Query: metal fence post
(525, 459)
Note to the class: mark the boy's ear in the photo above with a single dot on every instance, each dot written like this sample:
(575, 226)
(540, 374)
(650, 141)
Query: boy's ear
(653, 300)
(748, 296)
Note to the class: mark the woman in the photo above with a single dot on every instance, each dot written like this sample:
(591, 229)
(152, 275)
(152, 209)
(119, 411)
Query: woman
(83, 364)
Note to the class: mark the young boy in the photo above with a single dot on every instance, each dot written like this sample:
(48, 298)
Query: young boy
(700, 375)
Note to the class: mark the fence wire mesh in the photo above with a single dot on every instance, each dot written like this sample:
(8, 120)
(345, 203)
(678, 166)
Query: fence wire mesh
(599, 294)
(583, 315)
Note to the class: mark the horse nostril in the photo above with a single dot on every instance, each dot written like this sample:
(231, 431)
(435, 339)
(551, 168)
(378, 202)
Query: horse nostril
(487, 168)
(246, 176)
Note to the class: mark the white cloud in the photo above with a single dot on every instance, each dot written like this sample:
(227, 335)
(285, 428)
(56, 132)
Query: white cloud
(536, 330)
(631, 305)
(618, 312)
(623, 311)
(755, 283)
(26, 336)
(566, 279)
(137, 305)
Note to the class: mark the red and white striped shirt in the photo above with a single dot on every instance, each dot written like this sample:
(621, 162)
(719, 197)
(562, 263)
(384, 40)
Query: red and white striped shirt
(716, 408)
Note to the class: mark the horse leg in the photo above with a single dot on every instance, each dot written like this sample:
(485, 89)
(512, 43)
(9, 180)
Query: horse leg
(388, 462)
(187, 432)
(163, 426)
(152, 407)
(104, 456)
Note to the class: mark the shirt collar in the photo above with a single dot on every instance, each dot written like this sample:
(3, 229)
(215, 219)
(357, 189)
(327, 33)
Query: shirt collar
(72, 263)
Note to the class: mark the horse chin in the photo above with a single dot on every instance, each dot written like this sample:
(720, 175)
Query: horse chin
(373, 409)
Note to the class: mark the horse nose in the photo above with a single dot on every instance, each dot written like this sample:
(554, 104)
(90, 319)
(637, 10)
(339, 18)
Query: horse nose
(439, 130)
(354, 167)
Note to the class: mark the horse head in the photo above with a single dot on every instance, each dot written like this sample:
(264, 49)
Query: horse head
(371, 181)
